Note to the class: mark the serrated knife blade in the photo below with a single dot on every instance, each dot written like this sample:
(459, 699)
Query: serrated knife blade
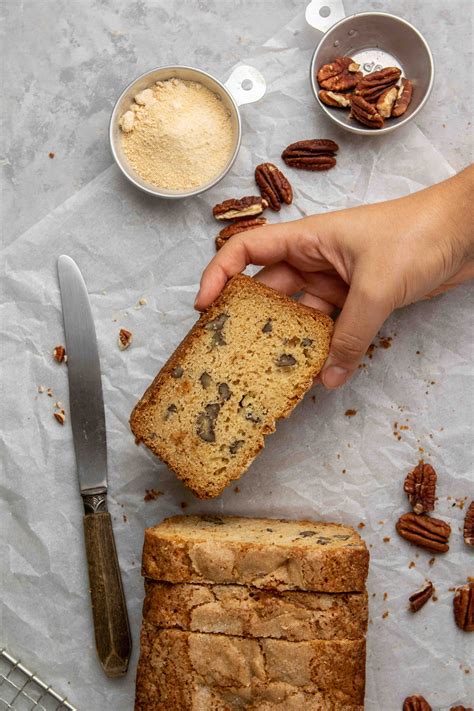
(109, 610)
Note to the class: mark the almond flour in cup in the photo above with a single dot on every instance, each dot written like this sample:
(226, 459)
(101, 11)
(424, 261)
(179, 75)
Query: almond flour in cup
(177, 135)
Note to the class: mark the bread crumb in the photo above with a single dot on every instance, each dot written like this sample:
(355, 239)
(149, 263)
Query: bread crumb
(431, 561)
(418, 352)
(385, 615)
(361, 525)
(385, 342)
(313, 398)
(350, 413)
(125, 519)
(49, 392)
(51, 154)
(412, 564)
(184, 505)
(343, 471)
(41, 388)
(237, 489)
(152, 494)
(385, 595)
(386, 539)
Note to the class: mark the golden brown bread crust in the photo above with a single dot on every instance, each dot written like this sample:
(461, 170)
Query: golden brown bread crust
(181, 449)
(249, 612)
(199, 672)
(264, 553)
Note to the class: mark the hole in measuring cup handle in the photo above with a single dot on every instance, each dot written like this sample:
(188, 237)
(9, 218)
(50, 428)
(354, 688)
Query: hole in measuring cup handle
(323, 14)
(246, 85)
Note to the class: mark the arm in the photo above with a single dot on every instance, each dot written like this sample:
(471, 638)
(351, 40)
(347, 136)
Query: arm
(366, 261)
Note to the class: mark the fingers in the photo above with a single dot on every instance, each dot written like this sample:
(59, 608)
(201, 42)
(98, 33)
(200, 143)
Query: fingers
(363, 314)
(315, 302)
(286, 242)
(282, 277)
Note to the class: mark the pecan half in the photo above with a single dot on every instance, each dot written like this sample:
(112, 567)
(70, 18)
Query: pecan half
(333, 98)
(424, 531)
(249, 206)
(59, 354)
(463, 607)
(273, 185)
(469, 525)
(365, 113)
(420, 487)
(340, 75)
(421, 597)
(416, 703)
(236, 227)
(386, 101)
(403, 99)
(313, 154)
(460, 708)
(373, 85)
(125, 339)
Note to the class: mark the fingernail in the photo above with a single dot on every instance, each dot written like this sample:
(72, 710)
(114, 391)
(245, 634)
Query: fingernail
(334, 376)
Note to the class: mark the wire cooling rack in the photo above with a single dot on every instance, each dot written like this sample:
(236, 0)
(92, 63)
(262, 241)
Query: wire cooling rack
(22, 690)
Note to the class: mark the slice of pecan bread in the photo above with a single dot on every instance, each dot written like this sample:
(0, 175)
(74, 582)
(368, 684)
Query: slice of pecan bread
(245, 364)
(190, 671)
(250, 612)
(262, 552)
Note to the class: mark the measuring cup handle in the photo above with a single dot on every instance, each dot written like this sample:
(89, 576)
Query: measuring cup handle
(246, 84)
(323, 14)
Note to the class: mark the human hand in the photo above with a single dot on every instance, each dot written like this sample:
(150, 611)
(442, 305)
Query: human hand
(366, 261)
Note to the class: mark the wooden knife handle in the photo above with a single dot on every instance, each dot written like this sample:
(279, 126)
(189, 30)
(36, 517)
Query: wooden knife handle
(109, 610)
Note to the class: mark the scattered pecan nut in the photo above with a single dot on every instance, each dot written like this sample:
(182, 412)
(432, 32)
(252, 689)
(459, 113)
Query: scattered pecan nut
(373, 85)
(420, 487)
(313, 154)
(424, 531)
(60, 416)
(460, 708)
(125, 339)
(235, 208)
(273, 185)
(421, 597)
(403, 99)
(469, 525)
(59, 354)
(365, 113)
(340, 75)
(386, 101)
(463, 607)
(416, 703)
(236, 227)
(334, 98)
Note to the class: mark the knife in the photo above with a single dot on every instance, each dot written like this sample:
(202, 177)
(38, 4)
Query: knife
(109, 610)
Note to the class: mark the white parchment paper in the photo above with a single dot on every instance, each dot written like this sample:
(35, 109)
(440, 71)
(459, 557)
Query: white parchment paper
(319, 464)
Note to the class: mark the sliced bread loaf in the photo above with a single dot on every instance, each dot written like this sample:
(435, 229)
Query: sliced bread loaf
(251, 612)
(245, 364)
(264, 553)
(209, 672)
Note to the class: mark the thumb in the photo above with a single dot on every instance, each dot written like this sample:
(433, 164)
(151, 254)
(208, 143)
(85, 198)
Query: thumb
(364, 312)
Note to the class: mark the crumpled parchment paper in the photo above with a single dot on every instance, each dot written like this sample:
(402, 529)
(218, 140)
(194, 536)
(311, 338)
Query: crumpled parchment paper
(413, 399)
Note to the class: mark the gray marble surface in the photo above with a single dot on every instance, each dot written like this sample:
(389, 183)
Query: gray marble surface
(65, 62)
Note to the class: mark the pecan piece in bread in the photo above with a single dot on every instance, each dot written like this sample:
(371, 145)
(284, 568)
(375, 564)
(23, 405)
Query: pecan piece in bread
(273, 185)
(313, 154)
(235, 208)
(239, 226)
